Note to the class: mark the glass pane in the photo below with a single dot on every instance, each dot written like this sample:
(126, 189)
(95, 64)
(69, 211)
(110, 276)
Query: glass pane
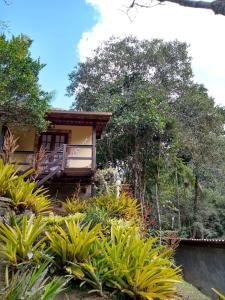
(62, 140)
(57, 138)
(49, 137)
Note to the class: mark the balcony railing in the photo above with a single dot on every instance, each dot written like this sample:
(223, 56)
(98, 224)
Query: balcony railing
(67, 156)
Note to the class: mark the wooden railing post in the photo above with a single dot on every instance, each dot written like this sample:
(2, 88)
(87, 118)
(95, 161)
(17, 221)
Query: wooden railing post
(64, 158)
(94, 147)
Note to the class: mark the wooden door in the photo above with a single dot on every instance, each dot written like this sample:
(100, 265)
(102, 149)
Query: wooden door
(52, 141)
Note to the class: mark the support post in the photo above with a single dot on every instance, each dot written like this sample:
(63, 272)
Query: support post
(64, 158)
(94, 147)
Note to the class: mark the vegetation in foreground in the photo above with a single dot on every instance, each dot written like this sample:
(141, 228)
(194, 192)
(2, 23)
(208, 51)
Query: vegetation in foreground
(97, 247)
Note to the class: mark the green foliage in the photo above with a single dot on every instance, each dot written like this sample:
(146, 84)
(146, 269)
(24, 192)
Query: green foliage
(137, 267)
(166, 135)
(52, 219)
(118, 207)
(22, 194)
(33, 284)
(22, 101)
(7, 176)
(74, 205)
(74, 244)
(123, 261)
(105, 181)
(95, 215)
(22, 242)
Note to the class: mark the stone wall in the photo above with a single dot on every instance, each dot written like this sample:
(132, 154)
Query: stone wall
(203, 264)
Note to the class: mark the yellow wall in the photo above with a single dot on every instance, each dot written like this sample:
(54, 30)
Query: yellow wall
(78, 135)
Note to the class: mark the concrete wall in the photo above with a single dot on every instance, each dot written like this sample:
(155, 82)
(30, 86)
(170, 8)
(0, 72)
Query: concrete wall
(203, 266)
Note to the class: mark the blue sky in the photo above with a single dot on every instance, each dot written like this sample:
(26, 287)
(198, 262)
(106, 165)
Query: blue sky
(65, 31)
(56, 27)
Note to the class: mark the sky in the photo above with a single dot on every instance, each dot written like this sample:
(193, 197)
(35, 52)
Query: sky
(66, 32)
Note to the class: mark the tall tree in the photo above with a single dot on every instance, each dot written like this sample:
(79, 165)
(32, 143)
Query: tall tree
(22, 101)
(165, 133)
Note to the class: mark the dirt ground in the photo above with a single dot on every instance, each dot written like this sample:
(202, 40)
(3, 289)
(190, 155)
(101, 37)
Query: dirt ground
(185, 290)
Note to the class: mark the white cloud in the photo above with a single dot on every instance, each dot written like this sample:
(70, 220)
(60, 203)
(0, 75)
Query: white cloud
(200, 28)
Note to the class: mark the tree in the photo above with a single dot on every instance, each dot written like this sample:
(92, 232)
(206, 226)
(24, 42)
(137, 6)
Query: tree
(217, 6)
(166, 134)
(135, 80)
(117, 63)
(22, 101)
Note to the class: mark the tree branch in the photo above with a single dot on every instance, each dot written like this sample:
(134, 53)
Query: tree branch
(217, 6)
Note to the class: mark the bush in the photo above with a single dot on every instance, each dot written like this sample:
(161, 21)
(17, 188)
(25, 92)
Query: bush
(124, 262)
(52, 219)
(138, 267)
(74, 244)
(74, 205)
(118, 207)
(23, 242)
(22, 194)
(31, 284)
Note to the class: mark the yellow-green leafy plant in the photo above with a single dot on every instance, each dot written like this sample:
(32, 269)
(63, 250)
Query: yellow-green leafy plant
(24, 196)
(53, 219)
(221, 296)
(138, 267)
(74, 205)
(8, 175)
(118, 207)
(73, 244)
(23, 242)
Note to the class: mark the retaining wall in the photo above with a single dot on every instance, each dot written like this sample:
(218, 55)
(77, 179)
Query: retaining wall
(203, 264)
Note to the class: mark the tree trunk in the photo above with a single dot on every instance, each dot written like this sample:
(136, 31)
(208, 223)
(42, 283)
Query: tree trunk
(178, 200)
(195, 210)
(157, 195)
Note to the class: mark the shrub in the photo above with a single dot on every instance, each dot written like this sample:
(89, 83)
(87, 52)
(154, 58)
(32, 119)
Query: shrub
(74, 205)
(52, 219)
(138, 267)
(33, 284)
(95, 215)
(22, 242)
(24, 196)
(7, 176)
(74, 244)
(118, 207)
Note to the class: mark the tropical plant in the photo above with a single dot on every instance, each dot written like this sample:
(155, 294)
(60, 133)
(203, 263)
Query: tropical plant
(137, 267)
(73, 244)
(221, 296)
(7, 176)
(24, 196)
(118, 207)
(74, 205)
(22, 242)
(52, 219)
(96, 215)
(32, 284)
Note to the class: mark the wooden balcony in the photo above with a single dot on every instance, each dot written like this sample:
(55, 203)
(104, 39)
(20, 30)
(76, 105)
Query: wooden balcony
(68, 160)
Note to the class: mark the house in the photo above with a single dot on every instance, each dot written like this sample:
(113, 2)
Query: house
(70, 147)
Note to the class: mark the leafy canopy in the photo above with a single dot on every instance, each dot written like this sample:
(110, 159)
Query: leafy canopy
(22, 101)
